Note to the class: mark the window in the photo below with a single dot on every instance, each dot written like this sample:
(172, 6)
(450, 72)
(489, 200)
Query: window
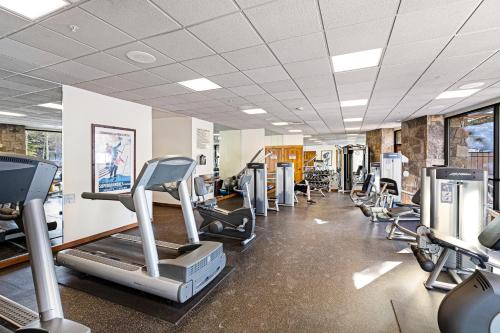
(397, 141)
(46, 145)
(471, 143)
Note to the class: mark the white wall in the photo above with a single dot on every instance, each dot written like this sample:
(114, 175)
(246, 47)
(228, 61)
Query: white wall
(230, 153)
(237, 147)
(320, 148)
(82, 108)
(178, 136)
(171, 136)
(284, 140)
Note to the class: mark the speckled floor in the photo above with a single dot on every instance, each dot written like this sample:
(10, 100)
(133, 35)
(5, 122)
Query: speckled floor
(310, 271)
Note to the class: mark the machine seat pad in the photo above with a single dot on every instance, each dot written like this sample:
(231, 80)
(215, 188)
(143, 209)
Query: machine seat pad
(399, 211)
(458, 245)
(490, 236)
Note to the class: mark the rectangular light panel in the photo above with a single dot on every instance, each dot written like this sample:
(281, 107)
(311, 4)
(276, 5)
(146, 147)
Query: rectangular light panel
(201, 84)
(457, 93)
(254, 111)
(51, 106)
(356, 60)
(32, 9)
(353, 102)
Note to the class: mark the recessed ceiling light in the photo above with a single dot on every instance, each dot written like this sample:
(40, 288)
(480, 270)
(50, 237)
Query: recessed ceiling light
(353, 102)
(11, 114)
(457, 93)
(254, 111)
(295, 131)
(350, 120)
(352, 128)
(141, 57)
(201, 84)
(307, 136)
(352, 134)
(32, 9)
(356, 60)
(472, 85)
(280, 123)
(52, 106)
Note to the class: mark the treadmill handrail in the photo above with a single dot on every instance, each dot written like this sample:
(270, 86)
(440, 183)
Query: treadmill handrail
(101, 196)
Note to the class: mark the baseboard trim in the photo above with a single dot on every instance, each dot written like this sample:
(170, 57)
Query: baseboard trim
(24, 258)
(163, 204)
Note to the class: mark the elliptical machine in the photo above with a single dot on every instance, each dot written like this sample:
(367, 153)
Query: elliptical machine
(237, 224)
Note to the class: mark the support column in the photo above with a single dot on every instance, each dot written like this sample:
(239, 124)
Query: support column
(422, 142)
(379, 141)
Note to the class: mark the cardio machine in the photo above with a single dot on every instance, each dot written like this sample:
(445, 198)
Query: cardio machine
(172, 271)
(27, 180)
(237, 224)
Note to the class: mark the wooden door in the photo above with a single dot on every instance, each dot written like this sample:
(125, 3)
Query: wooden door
(293, 154)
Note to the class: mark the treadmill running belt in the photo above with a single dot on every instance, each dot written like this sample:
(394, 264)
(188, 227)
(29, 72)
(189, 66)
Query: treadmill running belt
(122, 250)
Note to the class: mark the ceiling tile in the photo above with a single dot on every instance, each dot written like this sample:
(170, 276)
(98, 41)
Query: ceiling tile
(145, 78)
(251, 3)
(161, 91)
(219, 93)
(279, 86)
(338, 13)
(227, 33)
(231, 80)
(209, 66)
(138, 18)
(13, 65)
(356, 76)
(117, 83)
(69, 72)
(91, 30)
(430, 22)
(473, 43)
(247, 90)
(252, 57)
(107, 63)
(485, 17)
(90, 86)
(285, 18)
(31, 83)
(188, 12)
(175, 73)
(27, 54)
(316, 82)
(44, 39)
(267, 74)
(309, 68)
(10, 23)
(300, 48)
(487, 70)
(4, 73)
(179, 45)
(120, 52)
(416, 5)
(359, 37)
(409, 53)
(285, 95)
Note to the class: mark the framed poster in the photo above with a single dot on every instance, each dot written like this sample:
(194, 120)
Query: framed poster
(203, 138)
(113, 159)
(326, 156)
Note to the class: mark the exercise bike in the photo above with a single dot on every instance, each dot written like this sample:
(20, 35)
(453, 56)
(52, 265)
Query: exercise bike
(236, 224)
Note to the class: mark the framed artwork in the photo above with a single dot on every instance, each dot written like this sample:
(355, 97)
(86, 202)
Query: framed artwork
(326, 156)
(113, 159)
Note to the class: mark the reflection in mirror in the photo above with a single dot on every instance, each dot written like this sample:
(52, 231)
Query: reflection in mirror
(31, 124)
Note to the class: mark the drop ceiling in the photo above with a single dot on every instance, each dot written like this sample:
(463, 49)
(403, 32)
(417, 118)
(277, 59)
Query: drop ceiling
(265, 54)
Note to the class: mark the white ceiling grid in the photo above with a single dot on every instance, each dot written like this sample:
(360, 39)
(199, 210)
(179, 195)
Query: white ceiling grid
(271, 54)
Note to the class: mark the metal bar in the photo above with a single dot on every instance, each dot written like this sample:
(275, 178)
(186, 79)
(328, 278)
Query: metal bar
(146, 230)
(42, 261)
(187, 211)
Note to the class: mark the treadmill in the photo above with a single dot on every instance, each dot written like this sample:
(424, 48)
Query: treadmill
(27, 180)
(172, 271)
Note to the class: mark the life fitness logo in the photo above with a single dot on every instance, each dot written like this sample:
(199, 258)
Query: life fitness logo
(462, 174)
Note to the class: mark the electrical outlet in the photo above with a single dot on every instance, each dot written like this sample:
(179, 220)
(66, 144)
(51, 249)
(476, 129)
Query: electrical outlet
(69, 198)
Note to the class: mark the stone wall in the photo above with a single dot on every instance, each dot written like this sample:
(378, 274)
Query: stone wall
(379, 141)
(459, 150)
(12, 139)
(422, 142)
